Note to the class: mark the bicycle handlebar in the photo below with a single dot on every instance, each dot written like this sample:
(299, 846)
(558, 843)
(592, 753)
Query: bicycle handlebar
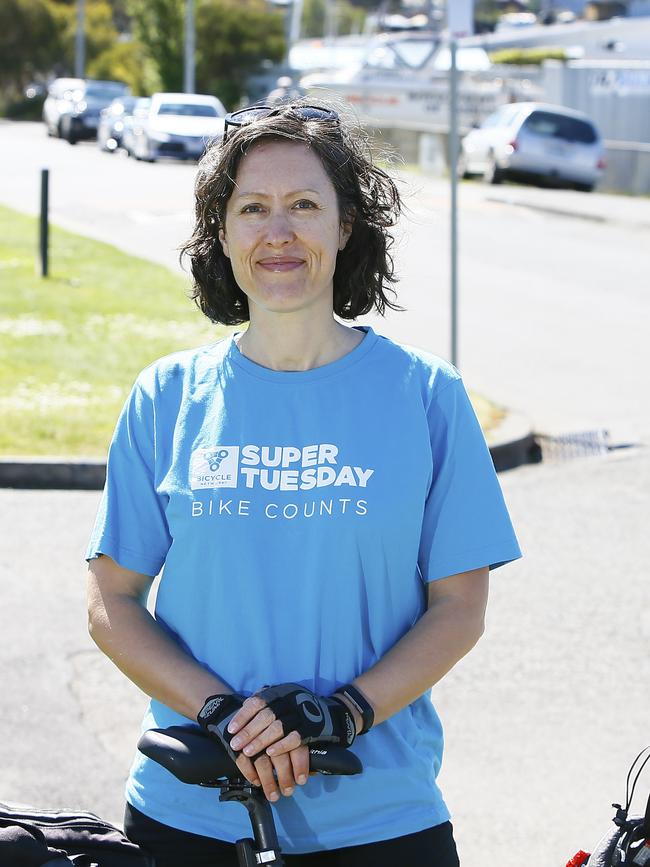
(194, 757)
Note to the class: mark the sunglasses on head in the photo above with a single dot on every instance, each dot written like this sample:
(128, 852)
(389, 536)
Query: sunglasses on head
(245, 116)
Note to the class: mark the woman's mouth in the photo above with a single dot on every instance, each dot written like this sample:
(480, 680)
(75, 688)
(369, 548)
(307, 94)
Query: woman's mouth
(280, 264)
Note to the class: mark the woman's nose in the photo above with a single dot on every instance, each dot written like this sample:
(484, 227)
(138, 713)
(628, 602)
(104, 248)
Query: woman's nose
(279, 230)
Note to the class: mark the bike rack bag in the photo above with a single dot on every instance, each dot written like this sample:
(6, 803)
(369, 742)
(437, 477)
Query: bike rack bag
(49, 838)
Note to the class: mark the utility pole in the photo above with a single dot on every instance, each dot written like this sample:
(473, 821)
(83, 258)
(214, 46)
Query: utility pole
(330, 15)
(189, 77)
(296, 19)
(453, 175)
(80, 41)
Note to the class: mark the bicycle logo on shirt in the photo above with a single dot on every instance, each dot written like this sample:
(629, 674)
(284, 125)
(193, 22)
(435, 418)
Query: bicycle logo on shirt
(214, 458)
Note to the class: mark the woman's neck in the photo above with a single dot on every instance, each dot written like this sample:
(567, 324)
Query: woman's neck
(297, 346)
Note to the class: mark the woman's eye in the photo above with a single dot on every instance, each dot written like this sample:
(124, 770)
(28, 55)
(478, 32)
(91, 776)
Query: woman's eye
(304, 204)
(251, 209)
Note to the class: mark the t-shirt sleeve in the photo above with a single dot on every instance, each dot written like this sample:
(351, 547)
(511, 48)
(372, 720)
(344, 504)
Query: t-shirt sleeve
(466, 523)
(131, 526)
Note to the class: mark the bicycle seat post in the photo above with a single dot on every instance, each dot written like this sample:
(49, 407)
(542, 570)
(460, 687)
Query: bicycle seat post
(261, 818)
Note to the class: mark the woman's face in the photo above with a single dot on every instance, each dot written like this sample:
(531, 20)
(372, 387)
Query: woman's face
(283, 231)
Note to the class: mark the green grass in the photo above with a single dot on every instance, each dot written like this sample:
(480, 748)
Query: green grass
(71, 345)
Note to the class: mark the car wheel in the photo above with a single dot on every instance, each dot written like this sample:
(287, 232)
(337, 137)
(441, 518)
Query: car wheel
(141, 150)
(69, 134)
(493, 174)
(584, 188)
(59, 129)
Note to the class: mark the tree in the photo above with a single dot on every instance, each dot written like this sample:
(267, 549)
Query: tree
(233, 38)
(127, 61)
(346, 18)
(29, 43)
(99, 29)
(159, 26)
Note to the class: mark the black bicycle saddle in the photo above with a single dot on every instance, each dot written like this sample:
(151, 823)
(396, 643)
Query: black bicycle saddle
(194, 757)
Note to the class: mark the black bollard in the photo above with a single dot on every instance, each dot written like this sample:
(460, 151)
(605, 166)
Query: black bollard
(44, 226)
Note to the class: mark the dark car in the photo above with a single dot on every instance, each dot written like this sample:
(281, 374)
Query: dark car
(80, 117)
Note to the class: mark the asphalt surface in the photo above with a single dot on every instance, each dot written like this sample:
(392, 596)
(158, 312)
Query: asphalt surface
(553, 301)
(545, 715)
(542, 719)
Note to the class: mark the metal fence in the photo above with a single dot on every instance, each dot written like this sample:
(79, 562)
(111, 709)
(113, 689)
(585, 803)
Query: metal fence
(615, 95)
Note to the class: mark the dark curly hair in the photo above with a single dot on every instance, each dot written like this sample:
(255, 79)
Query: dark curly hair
(366, 196)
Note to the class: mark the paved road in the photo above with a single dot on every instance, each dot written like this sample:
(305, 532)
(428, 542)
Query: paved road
(542, 719)
(553, 309)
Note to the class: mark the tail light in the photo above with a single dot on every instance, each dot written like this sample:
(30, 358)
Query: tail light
(512, 146)
(601, 164)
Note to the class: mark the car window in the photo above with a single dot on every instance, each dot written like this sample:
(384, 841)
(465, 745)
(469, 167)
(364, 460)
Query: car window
(187, 109)
(574, 129)
(545, 123)
(106, 90)
(501, 117)
(123, 106)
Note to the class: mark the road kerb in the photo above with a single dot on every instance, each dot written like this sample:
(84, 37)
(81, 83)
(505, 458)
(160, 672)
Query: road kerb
(511, 445)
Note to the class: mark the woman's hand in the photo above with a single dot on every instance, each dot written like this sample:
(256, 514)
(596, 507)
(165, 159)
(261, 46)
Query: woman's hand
(258, 731)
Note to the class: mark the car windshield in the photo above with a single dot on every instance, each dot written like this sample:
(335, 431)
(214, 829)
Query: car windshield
(105, 89)
(124, 105)
(545, 123)
(502, 117)
(188, 109)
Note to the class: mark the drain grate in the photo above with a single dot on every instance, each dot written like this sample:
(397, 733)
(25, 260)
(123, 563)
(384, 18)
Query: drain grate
(581, 444)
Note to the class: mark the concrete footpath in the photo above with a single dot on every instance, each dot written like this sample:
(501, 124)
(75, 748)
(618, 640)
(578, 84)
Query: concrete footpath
(594, 207)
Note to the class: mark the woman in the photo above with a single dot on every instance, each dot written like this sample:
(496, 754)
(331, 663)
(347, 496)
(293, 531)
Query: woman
(325, 509)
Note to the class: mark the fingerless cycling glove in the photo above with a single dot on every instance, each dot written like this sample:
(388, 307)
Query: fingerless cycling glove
(315, 718)
(215, 715)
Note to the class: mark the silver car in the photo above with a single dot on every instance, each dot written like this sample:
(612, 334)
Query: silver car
(178, 125)
(532, 140)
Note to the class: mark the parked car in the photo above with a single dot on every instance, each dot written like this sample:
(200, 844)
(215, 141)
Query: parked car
(72, 107)
(59, 101)
(134, 124)
(530, 140)
(111, 122)
(179, 125)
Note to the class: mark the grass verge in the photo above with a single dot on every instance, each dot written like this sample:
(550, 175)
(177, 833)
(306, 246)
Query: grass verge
(71, 345)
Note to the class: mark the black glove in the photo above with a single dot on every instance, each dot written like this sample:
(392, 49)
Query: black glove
(315, 718)
(215, 715)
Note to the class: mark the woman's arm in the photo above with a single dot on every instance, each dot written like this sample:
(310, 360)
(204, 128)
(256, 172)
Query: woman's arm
(125, 631)
(450, 627)
(452, 624)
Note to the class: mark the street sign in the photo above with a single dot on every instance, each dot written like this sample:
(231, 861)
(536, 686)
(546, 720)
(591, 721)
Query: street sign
(460, 18)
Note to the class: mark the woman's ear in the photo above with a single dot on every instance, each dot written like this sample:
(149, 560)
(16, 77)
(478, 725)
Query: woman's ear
(223, 242)
(345, 230)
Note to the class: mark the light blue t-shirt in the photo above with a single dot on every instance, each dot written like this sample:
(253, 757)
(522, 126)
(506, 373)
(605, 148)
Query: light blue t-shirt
(298, 517)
